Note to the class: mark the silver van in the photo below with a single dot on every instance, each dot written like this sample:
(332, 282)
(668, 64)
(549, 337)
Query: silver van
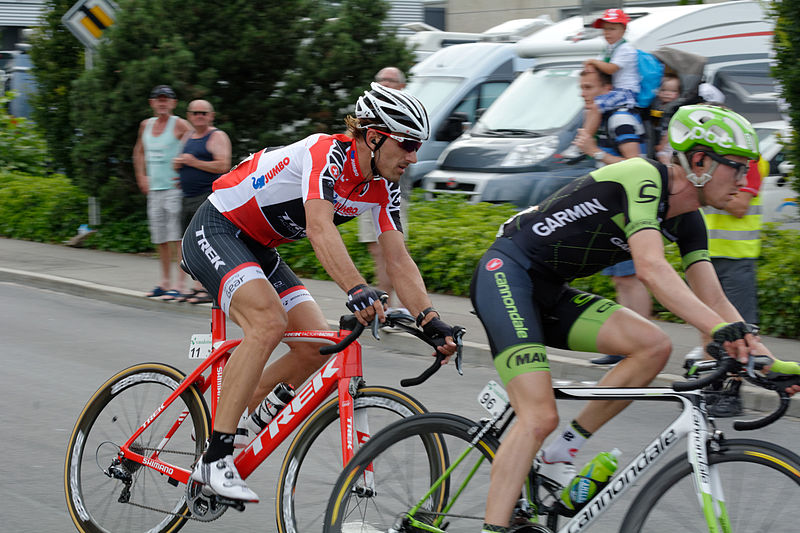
(455, 84)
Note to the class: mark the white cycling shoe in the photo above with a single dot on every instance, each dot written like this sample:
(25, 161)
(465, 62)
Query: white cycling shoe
(222, 478)
(559, 472)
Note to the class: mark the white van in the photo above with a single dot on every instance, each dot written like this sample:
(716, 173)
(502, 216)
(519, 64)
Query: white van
(454, 84)
(513, 153)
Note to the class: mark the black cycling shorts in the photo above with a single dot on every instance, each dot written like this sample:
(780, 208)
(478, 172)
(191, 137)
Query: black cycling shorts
(223, 258)
(522, 312)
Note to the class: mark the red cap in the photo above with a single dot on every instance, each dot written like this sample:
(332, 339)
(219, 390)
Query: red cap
(617, 16)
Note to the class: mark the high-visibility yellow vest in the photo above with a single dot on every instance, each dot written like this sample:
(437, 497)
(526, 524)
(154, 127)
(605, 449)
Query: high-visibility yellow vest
(736, 238)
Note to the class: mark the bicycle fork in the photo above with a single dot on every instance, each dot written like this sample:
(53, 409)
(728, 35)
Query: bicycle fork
(705, 476)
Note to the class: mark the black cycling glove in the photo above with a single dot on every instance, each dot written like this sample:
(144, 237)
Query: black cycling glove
(362, 296)
(732, 331)
(437, 330)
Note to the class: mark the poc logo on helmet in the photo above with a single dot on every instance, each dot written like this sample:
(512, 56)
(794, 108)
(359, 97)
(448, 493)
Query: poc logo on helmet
(698, 133)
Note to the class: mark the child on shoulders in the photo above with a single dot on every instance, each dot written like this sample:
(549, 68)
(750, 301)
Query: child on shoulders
(620, 60)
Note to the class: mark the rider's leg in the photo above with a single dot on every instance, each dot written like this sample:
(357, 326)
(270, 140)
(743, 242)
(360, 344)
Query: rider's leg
(647, 350)
(256, 308)
(302, 359)
(531, 395)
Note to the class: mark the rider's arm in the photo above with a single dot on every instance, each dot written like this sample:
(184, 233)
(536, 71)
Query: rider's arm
(329, 246)
(652, 268)
(404, 273)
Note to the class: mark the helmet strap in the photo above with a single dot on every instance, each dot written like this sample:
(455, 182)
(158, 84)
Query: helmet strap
(694, 179)
(372, 150)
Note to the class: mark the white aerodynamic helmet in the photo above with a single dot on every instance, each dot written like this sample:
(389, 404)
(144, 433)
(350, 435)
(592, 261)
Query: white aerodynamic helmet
(397, 111)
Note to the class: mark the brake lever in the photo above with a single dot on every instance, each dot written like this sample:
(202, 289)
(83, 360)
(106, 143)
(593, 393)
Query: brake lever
(458, 337)
(376, 325)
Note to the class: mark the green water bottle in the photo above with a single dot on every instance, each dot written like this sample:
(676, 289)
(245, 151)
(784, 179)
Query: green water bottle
(591, 478)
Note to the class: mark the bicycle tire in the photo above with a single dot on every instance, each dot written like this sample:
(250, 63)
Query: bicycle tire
(395, 455)
(110, 417)
(759, 481)
(306, 478)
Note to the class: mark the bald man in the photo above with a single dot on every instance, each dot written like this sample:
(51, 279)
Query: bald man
(391, 77)
(206, 155)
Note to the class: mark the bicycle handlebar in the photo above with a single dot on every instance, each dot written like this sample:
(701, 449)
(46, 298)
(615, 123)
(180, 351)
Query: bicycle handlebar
(357, 328)
(728, 365)
(356, 332)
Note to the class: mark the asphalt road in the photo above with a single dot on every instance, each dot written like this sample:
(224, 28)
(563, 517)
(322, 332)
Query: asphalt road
(57, 349)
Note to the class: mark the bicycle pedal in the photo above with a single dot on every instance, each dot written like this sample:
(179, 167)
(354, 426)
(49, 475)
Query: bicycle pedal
(235, 504)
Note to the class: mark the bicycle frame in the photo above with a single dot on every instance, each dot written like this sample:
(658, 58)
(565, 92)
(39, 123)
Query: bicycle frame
(335, 375)
(691, 423)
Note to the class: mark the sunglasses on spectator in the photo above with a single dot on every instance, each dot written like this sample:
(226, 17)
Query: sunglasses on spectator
(409, 145)
(741, 168)
(204, 113)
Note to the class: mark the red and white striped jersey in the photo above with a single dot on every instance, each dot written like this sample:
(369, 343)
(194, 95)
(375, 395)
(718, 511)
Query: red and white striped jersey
(264, 195)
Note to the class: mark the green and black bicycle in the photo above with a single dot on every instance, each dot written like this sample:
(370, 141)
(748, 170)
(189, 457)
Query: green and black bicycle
(396, 484)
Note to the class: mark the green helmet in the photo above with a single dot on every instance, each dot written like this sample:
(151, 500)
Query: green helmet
(724, 131)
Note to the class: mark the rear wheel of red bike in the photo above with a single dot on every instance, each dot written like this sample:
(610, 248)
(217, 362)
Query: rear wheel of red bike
(314, 459)
(106, 493)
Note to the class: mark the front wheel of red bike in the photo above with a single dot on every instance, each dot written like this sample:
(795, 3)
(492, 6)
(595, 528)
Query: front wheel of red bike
(108, 493)
(314, 460)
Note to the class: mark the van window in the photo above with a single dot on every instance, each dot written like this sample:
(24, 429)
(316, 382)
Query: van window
(539, 101)
(481, 97)
(433, 91)
(749, 89)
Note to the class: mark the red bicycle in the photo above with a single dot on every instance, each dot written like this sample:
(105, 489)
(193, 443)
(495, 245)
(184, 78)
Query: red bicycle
(132, 449)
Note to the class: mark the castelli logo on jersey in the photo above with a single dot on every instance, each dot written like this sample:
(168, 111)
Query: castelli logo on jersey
(335, 172)
(494, 264)
(261, 181)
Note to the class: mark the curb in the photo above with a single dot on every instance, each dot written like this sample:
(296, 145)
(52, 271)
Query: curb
(562, 367)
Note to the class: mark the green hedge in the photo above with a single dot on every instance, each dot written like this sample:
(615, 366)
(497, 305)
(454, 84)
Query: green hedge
(447, 238)
(39, 208)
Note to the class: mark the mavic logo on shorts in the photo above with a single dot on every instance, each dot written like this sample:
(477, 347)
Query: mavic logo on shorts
(531, 356)
(207, 249)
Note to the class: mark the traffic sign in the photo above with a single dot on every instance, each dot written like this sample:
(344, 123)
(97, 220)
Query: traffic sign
(88, 19)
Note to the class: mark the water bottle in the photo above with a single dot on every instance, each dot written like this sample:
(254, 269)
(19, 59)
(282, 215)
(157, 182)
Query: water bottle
(591, 478)
(269, 407)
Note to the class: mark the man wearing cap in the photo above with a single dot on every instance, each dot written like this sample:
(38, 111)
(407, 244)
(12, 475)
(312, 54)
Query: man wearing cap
(157, 144)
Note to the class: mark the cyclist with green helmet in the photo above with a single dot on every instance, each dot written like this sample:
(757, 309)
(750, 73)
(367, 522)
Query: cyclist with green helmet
(521, 290)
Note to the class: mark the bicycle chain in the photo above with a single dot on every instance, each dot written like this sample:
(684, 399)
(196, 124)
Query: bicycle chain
(147, 507)
(187, 516)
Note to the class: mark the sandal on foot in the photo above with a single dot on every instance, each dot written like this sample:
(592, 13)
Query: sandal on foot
(170, 296)
(187, 295)
(158, 291)
(200, 297)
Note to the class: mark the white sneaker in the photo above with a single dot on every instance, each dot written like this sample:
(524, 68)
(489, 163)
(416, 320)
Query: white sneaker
(561, 473)
(222, 478)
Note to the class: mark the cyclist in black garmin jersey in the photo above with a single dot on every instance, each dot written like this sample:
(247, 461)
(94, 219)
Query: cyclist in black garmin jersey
(625, 210)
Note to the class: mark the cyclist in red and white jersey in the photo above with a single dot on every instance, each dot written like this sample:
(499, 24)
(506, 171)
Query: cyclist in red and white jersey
(303, 190)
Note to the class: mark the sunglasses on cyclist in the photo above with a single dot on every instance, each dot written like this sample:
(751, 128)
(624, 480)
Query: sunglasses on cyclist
(204, 113)
(409, 145)
(740, 168)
